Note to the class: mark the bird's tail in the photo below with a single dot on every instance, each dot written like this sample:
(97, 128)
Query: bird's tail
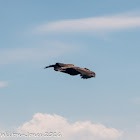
(49, 66)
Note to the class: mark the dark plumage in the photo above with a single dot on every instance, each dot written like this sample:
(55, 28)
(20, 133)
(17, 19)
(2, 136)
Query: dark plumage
(73, 70)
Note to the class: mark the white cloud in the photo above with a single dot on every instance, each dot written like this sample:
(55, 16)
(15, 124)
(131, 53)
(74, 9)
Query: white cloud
(34, 54)
(70, 131)
(3, 84)
(94, 24)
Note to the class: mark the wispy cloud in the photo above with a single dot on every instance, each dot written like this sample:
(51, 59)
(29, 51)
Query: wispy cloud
(3, 84)
(34, 54)
(94, 24)
(70, 131)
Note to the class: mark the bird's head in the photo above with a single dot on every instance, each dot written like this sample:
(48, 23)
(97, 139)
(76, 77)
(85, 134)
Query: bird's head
(49, 66)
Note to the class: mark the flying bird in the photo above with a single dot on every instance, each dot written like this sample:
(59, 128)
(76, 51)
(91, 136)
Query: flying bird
(72, 70)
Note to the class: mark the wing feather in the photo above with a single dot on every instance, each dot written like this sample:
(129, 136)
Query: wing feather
(85, 73)
(64, 65)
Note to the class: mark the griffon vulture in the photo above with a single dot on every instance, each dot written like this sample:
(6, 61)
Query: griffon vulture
(73, 70)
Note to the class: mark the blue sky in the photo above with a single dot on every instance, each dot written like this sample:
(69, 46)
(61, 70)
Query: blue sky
(100, 35)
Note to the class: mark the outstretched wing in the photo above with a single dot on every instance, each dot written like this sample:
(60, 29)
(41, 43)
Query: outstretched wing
(85, 73)
(69, 70)
(59, 65)
(64, 65)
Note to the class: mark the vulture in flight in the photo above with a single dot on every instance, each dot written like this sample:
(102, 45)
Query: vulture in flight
(73, 70)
